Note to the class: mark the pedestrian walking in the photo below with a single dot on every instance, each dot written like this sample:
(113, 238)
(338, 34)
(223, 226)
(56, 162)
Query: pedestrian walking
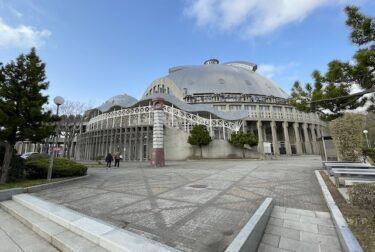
(117, 159)
(109, 160)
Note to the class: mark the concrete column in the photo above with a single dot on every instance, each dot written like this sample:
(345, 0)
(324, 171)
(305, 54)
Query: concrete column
(298, 138)
(244, 126)
(157, 159)
(260, 137)
(307, 139)
(314, 143)
(318, 130)
(275, 143)
(287, 139)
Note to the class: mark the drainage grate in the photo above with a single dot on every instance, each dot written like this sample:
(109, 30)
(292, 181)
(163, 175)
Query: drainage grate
(198, 186)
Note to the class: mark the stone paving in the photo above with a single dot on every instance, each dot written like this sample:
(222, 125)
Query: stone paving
(291, 229)
(192, 205)
(16, 237)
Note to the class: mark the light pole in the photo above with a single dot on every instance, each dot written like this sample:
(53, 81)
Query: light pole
(58, 100)
(365, 132)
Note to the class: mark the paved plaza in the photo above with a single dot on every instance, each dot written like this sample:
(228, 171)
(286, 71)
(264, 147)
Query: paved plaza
(192, 205)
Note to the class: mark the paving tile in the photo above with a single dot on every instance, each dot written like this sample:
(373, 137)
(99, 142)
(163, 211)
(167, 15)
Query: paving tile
(282, 231)
(301, 226)
(299, 246)
(267, 248)
(279, 215)
(300, 212)
(139, 191)
(314, 220)
(276, 221)
(327, 240)
(324, 230)
(295, 217)
(271, 239)
(279, 209)
(324, 248)
(320, 214)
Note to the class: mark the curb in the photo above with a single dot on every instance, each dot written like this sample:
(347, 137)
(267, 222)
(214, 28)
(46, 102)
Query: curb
(249, 237)
(348, 242)
(8, 193)
(37, 188)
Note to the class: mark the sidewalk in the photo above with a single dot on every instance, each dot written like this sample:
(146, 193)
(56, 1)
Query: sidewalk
(291, 229)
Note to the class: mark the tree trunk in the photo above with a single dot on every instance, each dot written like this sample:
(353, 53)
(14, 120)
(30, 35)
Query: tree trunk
(6, 163)
(64, 152)
(200, 147)
(243, 152)
(68, 150)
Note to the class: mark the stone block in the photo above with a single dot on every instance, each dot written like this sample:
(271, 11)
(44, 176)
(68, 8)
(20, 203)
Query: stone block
(90, 229)
(301, 226)
(268, 248)
(320, 221)
(331, 241)
(271, 239)
(294, 245)
(300, 212)
(286, 232)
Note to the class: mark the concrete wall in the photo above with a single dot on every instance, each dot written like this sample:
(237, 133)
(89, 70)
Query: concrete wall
(176, 147)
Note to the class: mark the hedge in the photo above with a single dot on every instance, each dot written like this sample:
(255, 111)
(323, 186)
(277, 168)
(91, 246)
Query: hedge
(38, 168)
(370, 152)
(363, 196)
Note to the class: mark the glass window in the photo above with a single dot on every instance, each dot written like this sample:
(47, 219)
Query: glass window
(250, 107)
(288, 110)
(234, 107)
(220, 107)
(276, 109)
(264, 108)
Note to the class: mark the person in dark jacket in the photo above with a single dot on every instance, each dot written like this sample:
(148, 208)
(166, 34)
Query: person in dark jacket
(109, 160)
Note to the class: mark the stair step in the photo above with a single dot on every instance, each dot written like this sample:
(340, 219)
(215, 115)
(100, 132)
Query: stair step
(98, 232)
(15, 236)
(58, 236)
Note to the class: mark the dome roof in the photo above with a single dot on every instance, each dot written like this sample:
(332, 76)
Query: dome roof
(231, 77)
(123, 100)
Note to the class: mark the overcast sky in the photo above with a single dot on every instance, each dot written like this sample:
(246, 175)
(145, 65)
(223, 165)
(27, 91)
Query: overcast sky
(97, 49)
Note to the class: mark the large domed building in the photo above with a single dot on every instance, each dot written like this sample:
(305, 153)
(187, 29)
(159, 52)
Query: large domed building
(225, 97)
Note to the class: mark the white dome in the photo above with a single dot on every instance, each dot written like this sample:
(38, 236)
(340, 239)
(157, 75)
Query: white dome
(232, 77)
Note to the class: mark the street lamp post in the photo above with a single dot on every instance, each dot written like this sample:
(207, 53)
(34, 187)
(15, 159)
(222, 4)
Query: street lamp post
(365, 132)
(58, 101)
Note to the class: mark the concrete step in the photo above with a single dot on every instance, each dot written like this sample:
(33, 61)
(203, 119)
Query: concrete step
(100, 233)
(60, 237)
(15, 236)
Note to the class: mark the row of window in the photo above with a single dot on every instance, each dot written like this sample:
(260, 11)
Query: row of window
(160, 88)
(252, 108)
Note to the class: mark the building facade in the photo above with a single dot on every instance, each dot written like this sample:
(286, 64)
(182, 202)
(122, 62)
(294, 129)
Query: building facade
(226, 98)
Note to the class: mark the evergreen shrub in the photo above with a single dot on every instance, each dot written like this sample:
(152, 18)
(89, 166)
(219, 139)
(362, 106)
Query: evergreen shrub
(363, 196)
(38, 168)
(347, 136)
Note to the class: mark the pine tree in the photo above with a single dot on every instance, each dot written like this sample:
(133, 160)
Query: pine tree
(199, 136)
(330, 94)
(21, 101)
(240, 139)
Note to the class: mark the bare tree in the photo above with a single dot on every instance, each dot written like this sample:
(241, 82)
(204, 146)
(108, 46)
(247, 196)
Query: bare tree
(72, 117)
